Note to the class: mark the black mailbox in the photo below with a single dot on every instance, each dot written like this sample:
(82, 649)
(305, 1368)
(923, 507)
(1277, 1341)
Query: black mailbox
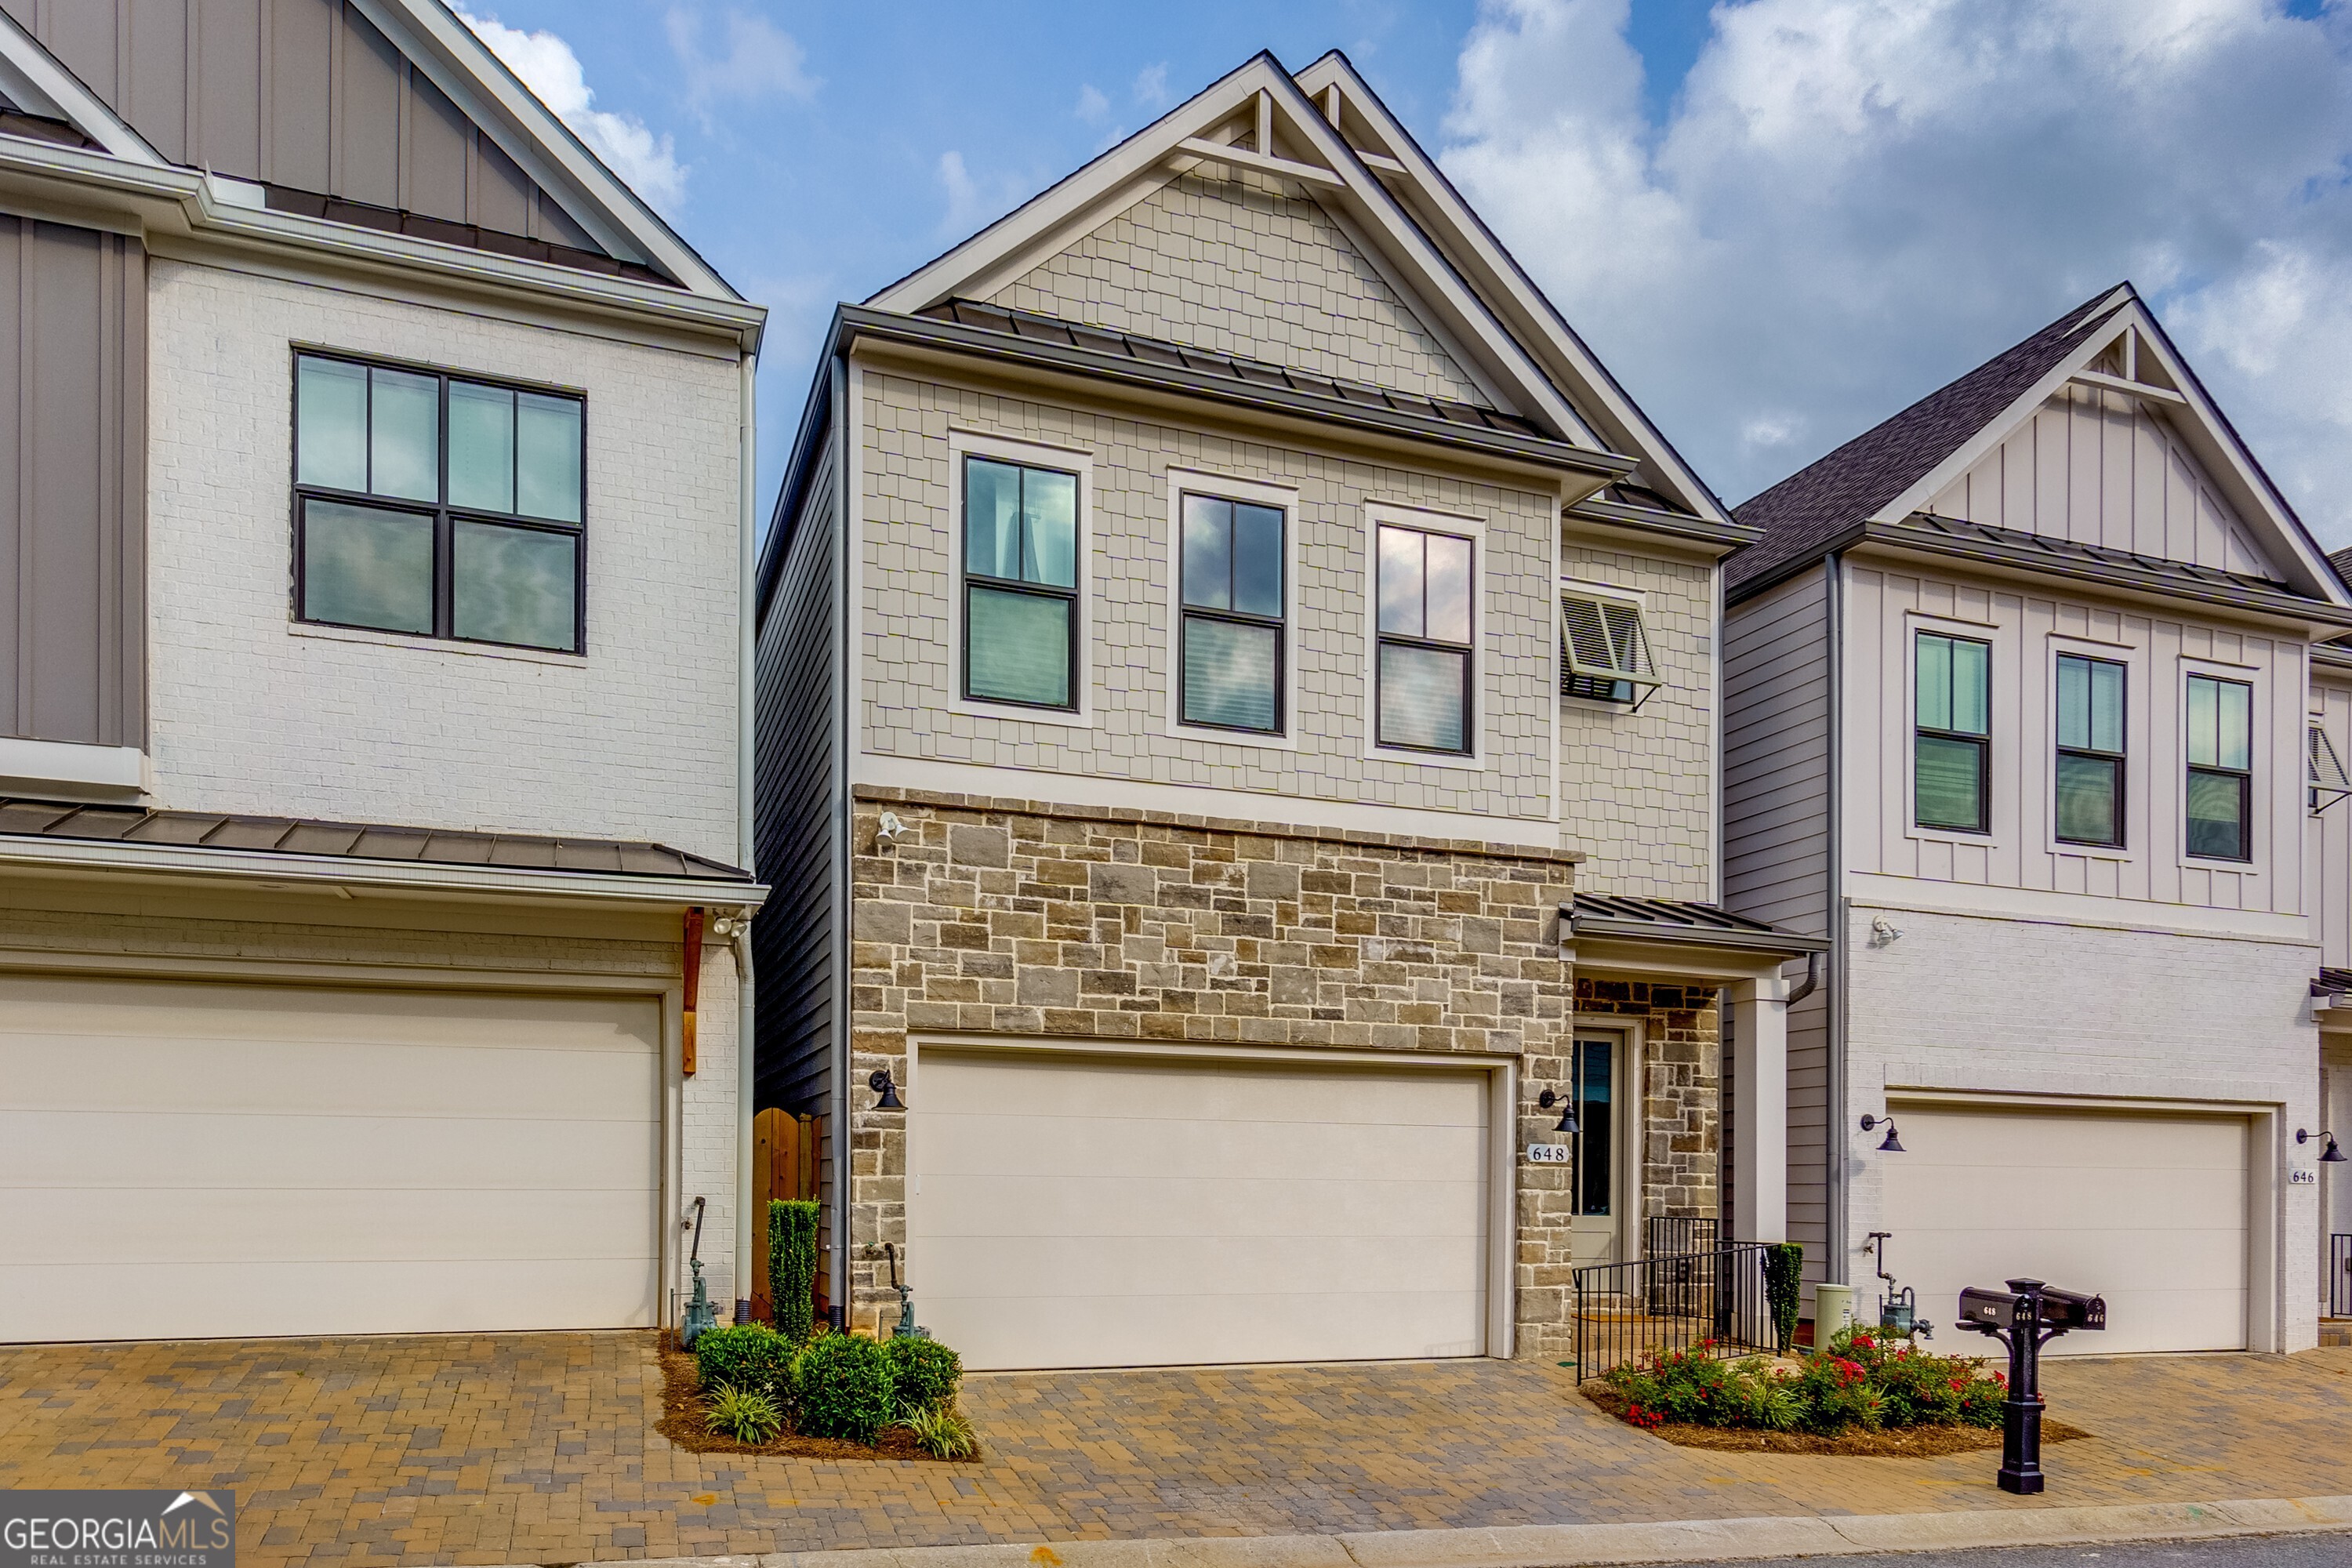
(2072, 1309)
(1989, 1309)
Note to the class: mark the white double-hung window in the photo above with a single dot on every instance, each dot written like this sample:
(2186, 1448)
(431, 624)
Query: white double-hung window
(1423, 659)
(1020, 584)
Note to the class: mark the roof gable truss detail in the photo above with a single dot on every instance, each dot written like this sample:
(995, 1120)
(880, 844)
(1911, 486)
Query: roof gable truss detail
(2150, 370)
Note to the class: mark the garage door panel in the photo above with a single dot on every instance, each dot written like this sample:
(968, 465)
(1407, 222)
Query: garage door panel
(265, 1160)
(1253, 1214)
(2148, 1211)
(1209, 1330)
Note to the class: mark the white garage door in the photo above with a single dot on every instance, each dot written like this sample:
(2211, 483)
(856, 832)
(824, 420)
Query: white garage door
(2147, 1211)
(1100, 1213)
(191, 1159)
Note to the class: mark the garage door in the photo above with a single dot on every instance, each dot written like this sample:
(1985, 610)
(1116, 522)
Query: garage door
(1100, 1213)
(198, 1159)
(2148, 1211)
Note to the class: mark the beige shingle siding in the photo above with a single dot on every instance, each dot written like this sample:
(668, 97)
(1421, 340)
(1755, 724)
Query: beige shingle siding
(907, 665)
(1637, 789)
(1237, 267)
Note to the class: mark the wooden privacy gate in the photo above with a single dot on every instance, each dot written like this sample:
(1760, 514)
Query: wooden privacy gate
(785, 1151)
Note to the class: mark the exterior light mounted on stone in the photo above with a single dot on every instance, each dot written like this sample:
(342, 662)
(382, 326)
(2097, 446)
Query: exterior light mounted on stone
(879, 1082)
(1566, 1111)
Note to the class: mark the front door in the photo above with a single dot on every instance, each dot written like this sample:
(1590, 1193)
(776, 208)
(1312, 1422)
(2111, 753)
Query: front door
(1596, 1150)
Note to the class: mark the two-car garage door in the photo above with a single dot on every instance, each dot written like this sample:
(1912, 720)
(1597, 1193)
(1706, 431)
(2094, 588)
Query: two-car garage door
(2147, 1210)
(1073, 1211)
(191, 1159)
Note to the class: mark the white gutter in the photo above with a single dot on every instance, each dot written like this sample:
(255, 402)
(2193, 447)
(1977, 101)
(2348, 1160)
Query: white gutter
(402, 876)
(746, 839)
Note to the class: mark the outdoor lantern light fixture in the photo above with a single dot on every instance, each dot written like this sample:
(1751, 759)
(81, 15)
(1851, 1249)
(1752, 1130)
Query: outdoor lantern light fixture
(879, 1082)
(1566, 1111)
(1892, 1145)
(2331, 1155)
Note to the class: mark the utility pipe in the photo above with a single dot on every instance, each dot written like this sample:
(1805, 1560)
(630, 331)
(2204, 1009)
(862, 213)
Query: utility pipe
(745, 842)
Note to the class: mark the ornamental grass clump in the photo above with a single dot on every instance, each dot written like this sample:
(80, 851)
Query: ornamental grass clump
(1860, 1380)
(745, 1414)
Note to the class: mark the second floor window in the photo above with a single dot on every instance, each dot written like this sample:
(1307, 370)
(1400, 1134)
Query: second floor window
(1231, 660)
(1951, 772)
(1021, 584)
(1422, 664)
(2221, 768)
(2090, 750)
(436, 505)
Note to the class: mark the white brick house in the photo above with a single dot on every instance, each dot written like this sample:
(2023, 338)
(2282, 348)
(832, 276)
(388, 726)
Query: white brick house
(1173, 767)
(371, 779)
(2019, 683)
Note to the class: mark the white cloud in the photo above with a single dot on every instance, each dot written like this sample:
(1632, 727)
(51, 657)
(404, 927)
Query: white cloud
(1152, 85)
(755, 61)
(549, 68)
(975, 201)
(1092, 105)
(1853, 201)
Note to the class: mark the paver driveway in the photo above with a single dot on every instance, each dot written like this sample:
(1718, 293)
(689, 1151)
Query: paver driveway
(535, 1448)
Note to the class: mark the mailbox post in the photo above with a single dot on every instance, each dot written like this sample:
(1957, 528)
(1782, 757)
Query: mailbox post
(2025, 1317)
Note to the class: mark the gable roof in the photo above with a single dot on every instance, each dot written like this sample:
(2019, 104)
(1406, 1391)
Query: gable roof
(1442, 260)
(386, 114)
(1892, 470)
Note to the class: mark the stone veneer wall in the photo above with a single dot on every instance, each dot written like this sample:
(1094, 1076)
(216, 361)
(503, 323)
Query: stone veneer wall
(1015, 918)
(1681, 1068)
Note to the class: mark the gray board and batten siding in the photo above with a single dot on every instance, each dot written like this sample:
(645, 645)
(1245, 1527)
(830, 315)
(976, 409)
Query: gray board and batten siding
(1778, 809)
(73, 543)
(303, 94)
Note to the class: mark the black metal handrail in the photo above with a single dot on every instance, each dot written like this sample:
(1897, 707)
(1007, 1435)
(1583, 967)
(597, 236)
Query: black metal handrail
(1669, 1235)
(1711, 1302)
(2339, 1276)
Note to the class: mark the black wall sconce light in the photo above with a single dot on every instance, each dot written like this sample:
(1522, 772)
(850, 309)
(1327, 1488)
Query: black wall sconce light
(2331, 1155)
(1547, 1100)
(1892, 1146)
(879, 1082)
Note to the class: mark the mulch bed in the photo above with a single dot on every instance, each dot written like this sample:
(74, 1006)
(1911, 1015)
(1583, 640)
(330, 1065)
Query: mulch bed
(682, 1422)
(1903, 1442)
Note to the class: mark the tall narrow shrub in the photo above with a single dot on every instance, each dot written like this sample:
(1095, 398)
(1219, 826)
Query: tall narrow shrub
(1784, 1275)
(791, 1265)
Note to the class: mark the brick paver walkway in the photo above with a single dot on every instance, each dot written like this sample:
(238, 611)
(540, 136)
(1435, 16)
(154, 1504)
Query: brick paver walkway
(537, 1448)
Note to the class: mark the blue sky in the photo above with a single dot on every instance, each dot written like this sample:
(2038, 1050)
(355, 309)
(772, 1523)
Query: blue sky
(1778, 220)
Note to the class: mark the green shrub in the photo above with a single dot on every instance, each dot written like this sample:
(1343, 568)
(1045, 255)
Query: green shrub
(1784, 1279)
(924, 1373)
(752, 1357)
(746, 1415)
(845, 1388)
(792, 1265)
(943, 1432)
(1858, 1380)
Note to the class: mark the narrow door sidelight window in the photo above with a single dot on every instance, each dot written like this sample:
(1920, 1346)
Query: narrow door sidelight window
(1020, 584)
(2221, 768)
(1594, 1149)
(1230, 663)
(437, 505)
(1952, 745)
(1423, 663)
(2090, 763)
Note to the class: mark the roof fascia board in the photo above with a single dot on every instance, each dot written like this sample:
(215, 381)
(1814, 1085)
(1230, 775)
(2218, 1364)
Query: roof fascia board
(29, 70)
(2203, 432)
(2310, 617)
(1506, 286)
(464, 68)
(2332, 656)
(1593, 515)
(177, 211)
(922, 331)
(19, 852)
(817, 409)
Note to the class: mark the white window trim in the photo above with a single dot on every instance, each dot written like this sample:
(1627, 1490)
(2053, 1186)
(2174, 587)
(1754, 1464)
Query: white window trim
(2139, 741)
(963, 443)
(1428, 521)
(2260, 751)
(2000, 805)
(1633, 596)
(1225, 486)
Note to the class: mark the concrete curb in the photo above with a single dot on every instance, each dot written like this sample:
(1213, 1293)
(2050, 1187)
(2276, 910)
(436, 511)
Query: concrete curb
(1597, 1545)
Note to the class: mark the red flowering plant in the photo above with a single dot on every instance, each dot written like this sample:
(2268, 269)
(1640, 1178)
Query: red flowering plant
(1858, 1378)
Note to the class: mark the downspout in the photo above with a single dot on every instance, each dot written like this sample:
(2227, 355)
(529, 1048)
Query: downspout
(1834, 1266)
(839, 902)
(746, 838)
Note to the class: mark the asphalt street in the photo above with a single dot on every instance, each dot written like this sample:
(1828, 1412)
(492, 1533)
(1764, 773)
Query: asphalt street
(2322, 1551)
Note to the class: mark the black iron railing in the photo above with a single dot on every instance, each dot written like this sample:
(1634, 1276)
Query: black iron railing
(1711, 1301)
(1667, 1235)
(2339, 1276)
